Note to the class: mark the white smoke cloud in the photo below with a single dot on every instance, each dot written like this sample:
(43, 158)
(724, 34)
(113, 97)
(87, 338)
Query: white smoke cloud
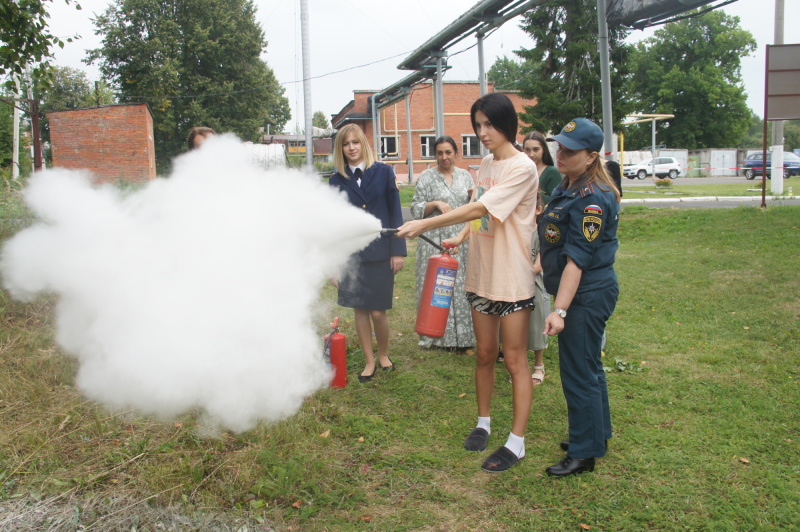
(195, 291)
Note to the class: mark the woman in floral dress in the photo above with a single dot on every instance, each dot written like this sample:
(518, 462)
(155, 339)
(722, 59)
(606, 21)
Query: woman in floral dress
(440, 190)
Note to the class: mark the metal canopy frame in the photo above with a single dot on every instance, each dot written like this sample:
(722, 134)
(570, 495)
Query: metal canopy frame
(429, 61)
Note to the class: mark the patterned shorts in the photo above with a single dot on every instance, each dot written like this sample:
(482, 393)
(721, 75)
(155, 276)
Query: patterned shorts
(497, 308)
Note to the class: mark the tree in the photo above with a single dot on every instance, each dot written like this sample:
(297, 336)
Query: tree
(562, 70)
(506, 74)
(320, 120)
(69, 88)
(692, 69)
(754, 136)
(195, 62)
(7, 139)
(25, 36)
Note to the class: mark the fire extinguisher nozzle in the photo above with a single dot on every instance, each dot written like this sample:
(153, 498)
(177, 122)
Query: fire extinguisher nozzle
(385, 232)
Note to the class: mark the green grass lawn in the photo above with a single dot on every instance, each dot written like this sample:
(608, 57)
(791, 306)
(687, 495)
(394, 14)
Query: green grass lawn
(704, 382)
(746, 188)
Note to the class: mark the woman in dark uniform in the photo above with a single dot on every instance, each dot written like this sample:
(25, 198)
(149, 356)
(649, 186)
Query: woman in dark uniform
(367, 284)
(578, 236)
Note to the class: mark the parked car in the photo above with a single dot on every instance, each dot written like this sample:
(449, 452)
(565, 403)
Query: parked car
(665, 167)
(753, 166)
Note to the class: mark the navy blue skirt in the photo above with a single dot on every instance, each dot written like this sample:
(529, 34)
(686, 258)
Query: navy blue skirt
(367, 285)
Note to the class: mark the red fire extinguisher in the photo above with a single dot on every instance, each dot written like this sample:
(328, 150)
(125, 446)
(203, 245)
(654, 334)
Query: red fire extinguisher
(335, 353)
(437, 293)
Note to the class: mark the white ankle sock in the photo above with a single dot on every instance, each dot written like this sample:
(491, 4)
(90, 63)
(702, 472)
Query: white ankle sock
(516, 444)
(485, 423)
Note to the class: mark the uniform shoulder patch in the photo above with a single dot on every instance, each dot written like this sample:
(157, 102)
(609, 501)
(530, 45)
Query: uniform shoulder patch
(591, 227)
(587, 190)
(593, 209)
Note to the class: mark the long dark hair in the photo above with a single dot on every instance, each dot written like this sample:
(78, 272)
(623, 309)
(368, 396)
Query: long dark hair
(547, 157)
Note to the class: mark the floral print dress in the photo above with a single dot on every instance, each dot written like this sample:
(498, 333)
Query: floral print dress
(431, 186)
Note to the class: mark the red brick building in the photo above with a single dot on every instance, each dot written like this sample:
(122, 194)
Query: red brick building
(113, 142)
(458, 98)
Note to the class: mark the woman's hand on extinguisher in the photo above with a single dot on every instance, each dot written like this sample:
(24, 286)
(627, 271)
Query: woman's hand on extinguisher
(397, 264)
(411, 229)
(456, 240)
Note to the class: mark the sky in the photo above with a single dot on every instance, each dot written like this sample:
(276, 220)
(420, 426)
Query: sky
(357, 44)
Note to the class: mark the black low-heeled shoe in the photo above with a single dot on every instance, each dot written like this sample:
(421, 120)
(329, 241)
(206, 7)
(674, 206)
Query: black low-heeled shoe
(571, 466)
(389, 368)
(367, 378)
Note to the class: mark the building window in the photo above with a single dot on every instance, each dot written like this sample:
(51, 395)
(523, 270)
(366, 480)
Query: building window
(389, 148)
(470, 147)
(427, 147)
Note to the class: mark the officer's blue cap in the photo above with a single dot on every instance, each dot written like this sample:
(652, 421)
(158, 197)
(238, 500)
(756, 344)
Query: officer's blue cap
(580, 134)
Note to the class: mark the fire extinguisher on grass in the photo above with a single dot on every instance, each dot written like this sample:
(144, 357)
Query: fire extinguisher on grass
(335, 354)
(437, 293)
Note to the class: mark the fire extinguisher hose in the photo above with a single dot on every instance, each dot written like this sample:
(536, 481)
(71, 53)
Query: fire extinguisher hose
(441, 248)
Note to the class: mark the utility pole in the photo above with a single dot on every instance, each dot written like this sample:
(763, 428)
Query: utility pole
(15, 135)
(777, 126)
(307, 86)
(605, 81)
(33, 110)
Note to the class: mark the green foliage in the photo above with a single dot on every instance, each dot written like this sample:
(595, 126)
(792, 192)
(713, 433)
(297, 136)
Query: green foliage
(507, 73)
(7, 141)
(562, 70)
(692, 69)
(68, 88)
(320, 120)
(25, 36)
(321, 166)
(195, 63)
(755, 133)
(71, 89)
(621, 365)
(663, 183)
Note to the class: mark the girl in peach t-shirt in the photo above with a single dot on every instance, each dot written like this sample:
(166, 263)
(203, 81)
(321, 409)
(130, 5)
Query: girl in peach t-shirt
(500, 278)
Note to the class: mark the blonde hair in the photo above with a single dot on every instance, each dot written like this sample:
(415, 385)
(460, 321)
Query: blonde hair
(596, 173)
(339, 160)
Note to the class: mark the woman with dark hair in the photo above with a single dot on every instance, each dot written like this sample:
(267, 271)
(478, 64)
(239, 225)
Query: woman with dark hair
(500, 274)
(198, 135)
(439, 190)
(367, 285)
(535, 147)
(578, 235)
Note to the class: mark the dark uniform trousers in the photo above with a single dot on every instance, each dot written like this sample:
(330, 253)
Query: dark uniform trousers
(582, 375)
(581, 223)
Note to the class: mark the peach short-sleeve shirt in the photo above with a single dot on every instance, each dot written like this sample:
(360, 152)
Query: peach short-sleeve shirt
(499, 265)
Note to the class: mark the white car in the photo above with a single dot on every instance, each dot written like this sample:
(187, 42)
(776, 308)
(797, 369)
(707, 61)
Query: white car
(665, 167)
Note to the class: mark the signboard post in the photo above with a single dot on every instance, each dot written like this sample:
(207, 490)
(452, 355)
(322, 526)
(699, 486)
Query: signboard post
(781, 102)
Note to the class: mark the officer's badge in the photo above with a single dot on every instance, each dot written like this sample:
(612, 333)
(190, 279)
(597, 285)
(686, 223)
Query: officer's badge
(553, 215)
(552, 233)
(570, 127)
(593, 209)
(591, 227)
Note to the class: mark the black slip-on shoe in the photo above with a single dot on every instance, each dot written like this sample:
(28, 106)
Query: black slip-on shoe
(500, 460)
(477, 440)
